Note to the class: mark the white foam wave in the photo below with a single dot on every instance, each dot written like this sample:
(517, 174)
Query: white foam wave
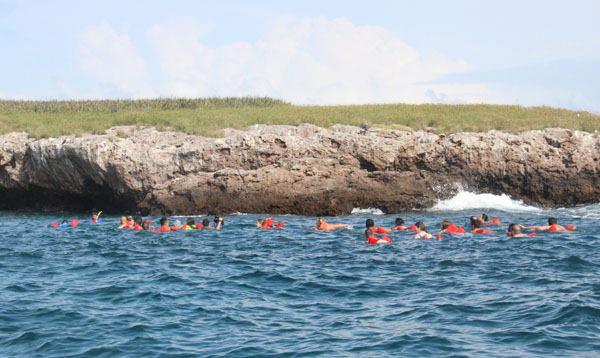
(372, 211)
(465, 200)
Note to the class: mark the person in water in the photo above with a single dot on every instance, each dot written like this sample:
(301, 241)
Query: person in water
(190, 224)
(515, 230)
(476, 226)
(552, 226)
(370, 234)
(322, 225)
(124, 223)
(130, 221)
(137, 223)
(146, 226)
(268, 223)
(485, 220)
(164, 226)
(95, 219)
(399, 224)
(206, 224)
(421, 231)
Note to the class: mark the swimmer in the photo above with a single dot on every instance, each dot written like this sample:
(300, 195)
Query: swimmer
(322, 225)
(138, 223)
(552, 226)
(421, 231)
(399, 224)
(370, 234)
(124, 223)
(447, 224)
(190, 224)
(476, 226)
(146, 226)
(206, 224)
(515, 230)
(95, 218)
(164, 225)
(64, 223)
(485, 220)
(130, 221)
(268, 223)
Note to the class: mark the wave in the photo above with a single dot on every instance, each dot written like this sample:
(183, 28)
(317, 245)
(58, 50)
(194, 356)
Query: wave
(372, 211)
(465, 200)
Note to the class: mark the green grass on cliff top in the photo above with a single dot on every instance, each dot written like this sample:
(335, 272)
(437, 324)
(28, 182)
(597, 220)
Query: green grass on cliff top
(208, 116)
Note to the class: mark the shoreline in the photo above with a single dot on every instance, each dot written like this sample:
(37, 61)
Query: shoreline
(302, 170)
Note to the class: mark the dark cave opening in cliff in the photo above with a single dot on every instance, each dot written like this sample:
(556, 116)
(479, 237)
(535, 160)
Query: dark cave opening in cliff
(97, 197)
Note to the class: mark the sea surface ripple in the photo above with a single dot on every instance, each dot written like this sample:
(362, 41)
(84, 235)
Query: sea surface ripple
(95, 291)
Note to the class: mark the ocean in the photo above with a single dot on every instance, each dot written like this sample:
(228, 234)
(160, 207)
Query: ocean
(96, 291)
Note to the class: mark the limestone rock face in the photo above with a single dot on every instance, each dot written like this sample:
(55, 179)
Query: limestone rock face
(304, 170)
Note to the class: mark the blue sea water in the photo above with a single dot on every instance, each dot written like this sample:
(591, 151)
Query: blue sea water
(95, 291)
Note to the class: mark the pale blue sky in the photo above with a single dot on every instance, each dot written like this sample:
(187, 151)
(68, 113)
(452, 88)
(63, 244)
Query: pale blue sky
(323, 52)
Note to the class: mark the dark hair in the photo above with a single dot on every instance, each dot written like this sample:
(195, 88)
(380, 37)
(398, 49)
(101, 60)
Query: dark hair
(514, 229)
(145, 225)
(484, 217)
(446, 224)
(510, 227)
(138, 220)
(552, 221)
(206, 223)
(399, 222)
(476, 223)
(421, 226)
(370, 223)
(190, 222)
(64, 221)
(163, 221)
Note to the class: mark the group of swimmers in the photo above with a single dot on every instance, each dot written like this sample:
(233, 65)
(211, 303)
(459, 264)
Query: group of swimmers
(447, 227)
(137, 223)
(514, 230)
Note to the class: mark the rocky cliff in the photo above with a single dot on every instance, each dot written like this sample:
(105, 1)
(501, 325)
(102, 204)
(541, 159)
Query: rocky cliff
(297, 170)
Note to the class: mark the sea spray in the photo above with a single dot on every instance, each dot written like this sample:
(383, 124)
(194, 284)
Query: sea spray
(465, 200)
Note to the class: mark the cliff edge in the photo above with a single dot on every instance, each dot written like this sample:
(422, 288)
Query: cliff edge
(304, 170)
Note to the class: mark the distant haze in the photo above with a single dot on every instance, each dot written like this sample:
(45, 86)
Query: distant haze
(311, 52)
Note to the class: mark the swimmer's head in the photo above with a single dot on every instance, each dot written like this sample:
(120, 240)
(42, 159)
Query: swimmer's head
(475, 224)
(420, 226)
(515, 229)
(446, 224)
(129, 218)
(370, 223)
(206, 223)
(123, 220)
(190, 222)
(260, 222)
(138, 220)
(65, 222)
(399, 222)
(484, 217)
(164, 221)
(552, 221)
(146, 226)
(320, 221)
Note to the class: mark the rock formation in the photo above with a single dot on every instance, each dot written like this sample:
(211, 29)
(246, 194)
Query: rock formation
(304, 170)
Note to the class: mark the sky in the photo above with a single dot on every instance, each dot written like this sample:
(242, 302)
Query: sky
(529, 53)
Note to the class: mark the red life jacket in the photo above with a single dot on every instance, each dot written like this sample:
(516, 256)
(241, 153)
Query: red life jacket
(74, 223)
(460, 230)
(570, 227)
(380, 230)
(268, 224)
(412, 228)
(373, 240)
(451, 228)
(482, 231)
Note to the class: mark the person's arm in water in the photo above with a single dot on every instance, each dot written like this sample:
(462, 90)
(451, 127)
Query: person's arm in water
(218, 227)
(535, 227)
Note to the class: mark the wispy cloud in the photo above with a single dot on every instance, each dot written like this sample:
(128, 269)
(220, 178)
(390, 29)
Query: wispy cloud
(302, 60)
(112, 61)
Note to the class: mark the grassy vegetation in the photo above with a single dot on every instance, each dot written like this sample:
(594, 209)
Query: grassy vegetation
(210, 115)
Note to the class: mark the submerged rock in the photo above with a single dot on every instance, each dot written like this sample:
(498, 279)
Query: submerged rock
(304, 170)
